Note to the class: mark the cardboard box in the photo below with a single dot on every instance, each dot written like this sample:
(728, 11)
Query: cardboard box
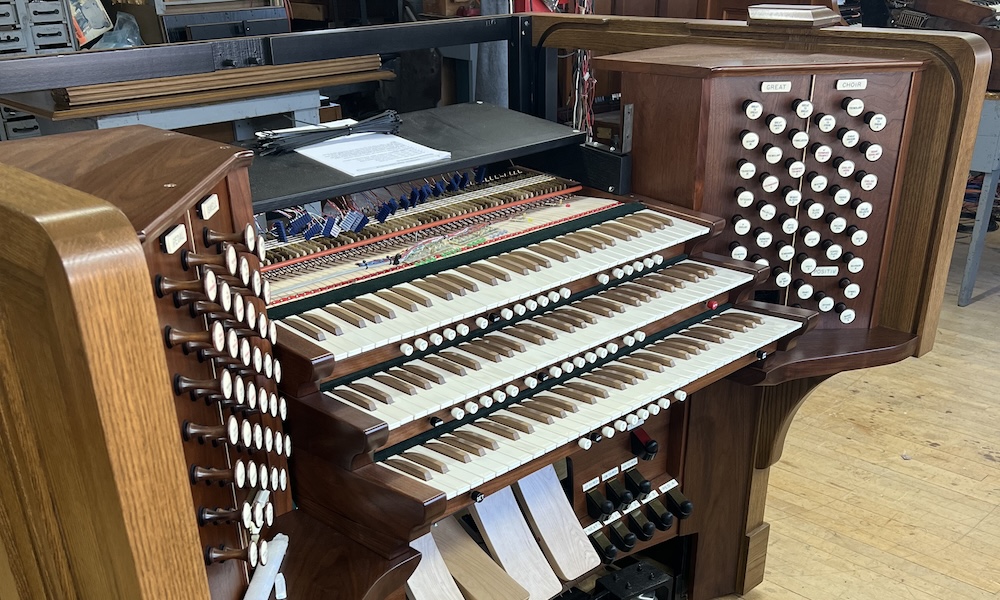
(308, 12)
(444, 8)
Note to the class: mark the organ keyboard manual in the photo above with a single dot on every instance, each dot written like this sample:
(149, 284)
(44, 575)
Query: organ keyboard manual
(231, 376)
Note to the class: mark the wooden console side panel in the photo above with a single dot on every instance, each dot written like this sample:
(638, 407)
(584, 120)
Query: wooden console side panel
(717, 481)
(945, 112)
(92, 472)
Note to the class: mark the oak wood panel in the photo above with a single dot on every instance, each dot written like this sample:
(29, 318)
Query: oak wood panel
(717, 480)
(42, 104)
(827, 352)
(83, 306)
(150, 206)
(186, 84)
(353, 501)
(946, 117)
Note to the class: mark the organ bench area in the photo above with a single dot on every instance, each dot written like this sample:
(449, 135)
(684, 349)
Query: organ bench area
(500, 383)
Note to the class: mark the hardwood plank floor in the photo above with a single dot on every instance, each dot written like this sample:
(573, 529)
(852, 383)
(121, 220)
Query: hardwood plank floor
(889, 486)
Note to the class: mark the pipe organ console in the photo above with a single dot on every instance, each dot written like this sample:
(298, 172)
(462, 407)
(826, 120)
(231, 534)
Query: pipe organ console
(500, 382)
(502, 328)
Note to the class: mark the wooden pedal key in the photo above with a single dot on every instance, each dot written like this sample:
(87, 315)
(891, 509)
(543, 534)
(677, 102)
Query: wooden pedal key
(477, 576)
(512, 544)
(555, 525)
(431, 580)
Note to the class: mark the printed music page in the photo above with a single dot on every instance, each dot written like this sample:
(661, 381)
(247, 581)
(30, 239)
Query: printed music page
(367, 153)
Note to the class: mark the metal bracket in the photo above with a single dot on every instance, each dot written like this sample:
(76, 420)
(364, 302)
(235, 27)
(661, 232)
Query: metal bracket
(624, 145)
(238, 52)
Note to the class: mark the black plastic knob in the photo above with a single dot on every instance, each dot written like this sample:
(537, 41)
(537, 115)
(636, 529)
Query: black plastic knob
(659, 515)
(604, 547)
(598, 507)
(623, 539)
(637, 484)
(678, 503)
(642, 527)
(618, 495)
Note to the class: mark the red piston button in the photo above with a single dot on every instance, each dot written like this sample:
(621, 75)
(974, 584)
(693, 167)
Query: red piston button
(712, 304)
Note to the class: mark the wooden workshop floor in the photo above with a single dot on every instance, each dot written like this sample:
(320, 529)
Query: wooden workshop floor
(889, 486)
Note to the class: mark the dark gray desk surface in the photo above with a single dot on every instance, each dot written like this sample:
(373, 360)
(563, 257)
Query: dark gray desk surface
(475, 134)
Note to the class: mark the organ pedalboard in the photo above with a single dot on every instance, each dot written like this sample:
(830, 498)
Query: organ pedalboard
(474, 340)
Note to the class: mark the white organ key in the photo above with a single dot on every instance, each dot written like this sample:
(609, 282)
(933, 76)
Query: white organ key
(619, 403)
(457, 390)
(443, 312)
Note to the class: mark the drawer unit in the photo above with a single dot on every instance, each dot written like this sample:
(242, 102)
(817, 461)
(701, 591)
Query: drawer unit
(13, 40)
(8, 14)
(46, 12)
(22, 128)
(7, 113)
(50, 35)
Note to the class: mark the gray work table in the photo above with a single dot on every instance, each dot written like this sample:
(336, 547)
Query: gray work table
(986, 160)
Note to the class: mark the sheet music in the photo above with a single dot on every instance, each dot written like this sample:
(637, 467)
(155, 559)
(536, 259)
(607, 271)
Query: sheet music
(367, 153)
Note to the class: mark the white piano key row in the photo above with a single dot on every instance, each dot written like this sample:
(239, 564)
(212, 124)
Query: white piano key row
(495, 381)
(539, 287)
(606, 412)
